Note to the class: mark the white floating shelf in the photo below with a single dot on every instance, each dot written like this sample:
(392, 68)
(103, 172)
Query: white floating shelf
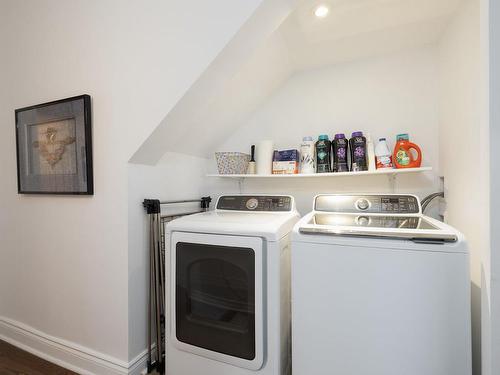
(321, 175)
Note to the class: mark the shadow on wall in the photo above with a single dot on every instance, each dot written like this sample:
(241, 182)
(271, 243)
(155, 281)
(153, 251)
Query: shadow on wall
(476, 328)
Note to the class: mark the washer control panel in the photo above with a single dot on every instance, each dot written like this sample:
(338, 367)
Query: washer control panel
(387, 204)
(399, 204)
(270, 203)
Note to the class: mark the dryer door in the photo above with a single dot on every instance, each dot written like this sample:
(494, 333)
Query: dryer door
(216, 297)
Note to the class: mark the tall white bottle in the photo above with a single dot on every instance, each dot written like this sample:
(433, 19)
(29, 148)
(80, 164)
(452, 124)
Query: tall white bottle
(307, 157)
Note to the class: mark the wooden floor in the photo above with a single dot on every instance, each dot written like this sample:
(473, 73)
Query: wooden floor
(14, 361)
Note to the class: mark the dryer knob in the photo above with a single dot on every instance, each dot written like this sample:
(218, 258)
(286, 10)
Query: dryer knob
(252, 204)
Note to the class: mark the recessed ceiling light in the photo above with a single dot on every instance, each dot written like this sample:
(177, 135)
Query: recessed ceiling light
(321, 11)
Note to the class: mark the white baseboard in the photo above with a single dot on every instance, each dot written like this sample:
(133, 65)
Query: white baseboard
(67, 354)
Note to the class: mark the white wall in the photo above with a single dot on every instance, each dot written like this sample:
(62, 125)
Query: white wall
(383, 96)
(462, 144)
(65, 261)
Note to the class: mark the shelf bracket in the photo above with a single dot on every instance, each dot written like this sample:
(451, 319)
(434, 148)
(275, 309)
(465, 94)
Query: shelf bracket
(392, 182)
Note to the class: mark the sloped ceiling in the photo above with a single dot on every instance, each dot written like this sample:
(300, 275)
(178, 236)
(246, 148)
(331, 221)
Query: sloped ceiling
(283, 37)
(249, 67)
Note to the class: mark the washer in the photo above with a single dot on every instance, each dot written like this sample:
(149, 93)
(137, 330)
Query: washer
(229, 293)
(378, 289)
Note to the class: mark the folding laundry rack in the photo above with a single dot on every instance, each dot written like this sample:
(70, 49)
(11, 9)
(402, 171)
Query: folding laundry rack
(156, 304)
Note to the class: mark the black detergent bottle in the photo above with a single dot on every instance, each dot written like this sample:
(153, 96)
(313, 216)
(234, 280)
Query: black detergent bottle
(357, 144)
(340, 147)
(323, 158)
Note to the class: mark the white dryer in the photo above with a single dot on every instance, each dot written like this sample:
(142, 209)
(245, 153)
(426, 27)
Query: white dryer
(228, 302)
(378, 289)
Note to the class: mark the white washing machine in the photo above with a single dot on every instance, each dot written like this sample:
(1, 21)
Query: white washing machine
(378, 289)
(228, 302)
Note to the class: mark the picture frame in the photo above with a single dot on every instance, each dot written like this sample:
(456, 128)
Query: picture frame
(54, 147)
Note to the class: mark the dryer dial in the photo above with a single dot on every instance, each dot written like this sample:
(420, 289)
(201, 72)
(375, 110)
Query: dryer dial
(252, 204)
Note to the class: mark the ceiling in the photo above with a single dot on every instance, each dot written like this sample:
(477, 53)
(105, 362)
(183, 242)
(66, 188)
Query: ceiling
(280, 38)
(360, 28)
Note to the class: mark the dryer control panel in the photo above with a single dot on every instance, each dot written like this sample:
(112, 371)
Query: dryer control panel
(269, 203)
(374, 204)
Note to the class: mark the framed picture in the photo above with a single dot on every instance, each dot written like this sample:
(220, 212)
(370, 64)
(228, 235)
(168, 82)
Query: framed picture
(54, 147)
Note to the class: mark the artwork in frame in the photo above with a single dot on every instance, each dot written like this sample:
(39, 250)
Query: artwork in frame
(54, 147)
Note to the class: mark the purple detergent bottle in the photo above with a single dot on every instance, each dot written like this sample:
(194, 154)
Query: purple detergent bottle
(340, 146)
(357, 144)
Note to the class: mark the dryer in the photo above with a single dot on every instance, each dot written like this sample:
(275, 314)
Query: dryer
(228, 301)
(379, 289)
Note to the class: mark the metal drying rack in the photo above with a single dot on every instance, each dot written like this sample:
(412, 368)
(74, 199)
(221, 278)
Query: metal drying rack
(156, 303)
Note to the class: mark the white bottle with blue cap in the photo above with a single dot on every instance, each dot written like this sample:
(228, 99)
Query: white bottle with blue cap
(307, 157)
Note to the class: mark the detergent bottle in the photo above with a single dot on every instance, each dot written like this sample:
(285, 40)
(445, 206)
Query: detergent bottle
(403, 156)
(340, 146)
(323, 154)
(307, 162)
(357, 145)
(383, 155)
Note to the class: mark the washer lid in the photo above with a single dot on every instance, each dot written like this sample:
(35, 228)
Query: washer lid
(373, 221)
(417, 228)
(396, 216)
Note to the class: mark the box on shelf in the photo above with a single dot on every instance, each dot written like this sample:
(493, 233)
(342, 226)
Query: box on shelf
(286, 162)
